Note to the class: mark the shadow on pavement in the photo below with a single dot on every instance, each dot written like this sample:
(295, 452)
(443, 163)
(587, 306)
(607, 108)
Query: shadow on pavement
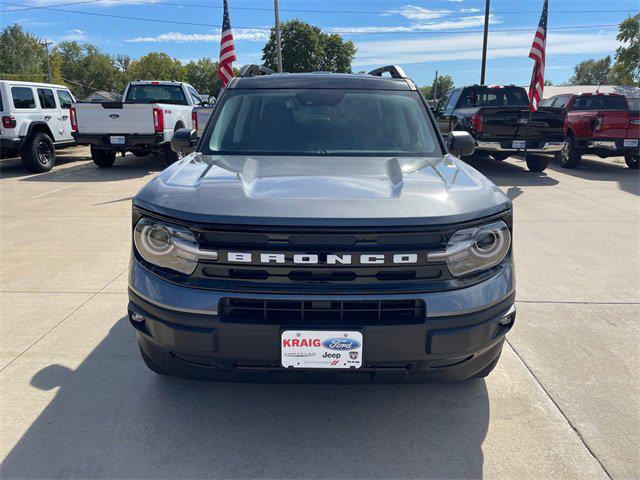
(84, 169)
(113, 418)
(603, 170)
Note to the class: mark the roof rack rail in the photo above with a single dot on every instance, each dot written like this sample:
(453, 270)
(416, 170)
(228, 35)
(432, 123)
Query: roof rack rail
(254, 70)
(396, 71)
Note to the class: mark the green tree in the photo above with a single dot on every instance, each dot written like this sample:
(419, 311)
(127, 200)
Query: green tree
(156, 66)
(306, 48)
(87, 69)
(626, 70)
(445, 83)
(203, 76)
(22, 55)
(591, 72)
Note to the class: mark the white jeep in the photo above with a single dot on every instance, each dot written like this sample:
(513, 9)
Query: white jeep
(35, 122)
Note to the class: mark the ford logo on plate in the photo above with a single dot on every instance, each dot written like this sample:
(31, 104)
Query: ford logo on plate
(114, 115)
(341, 344)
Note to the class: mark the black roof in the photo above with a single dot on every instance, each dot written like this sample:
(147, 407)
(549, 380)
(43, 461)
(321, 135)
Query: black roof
(322, 80)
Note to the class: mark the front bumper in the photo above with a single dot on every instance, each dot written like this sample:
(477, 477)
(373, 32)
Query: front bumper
(507, 147)
(182, 331)
(131, 140)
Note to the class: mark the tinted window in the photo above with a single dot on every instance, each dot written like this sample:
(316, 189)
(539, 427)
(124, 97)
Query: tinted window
(453, 100)
(1, 107)
(599, 102)
(47, 100)
(65, 99)
(634, 104)
(156, 94)
(561, 101)
(23, 97)
(323, 122)
(444, 101)
(493, 97)
(548, 102)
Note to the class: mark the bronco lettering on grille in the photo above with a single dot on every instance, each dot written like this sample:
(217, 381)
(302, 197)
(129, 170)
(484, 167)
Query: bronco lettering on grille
(328, 259)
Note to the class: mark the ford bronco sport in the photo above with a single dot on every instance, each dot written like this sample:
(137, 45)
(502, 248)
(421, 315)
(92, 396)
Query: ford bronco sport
(322, 230)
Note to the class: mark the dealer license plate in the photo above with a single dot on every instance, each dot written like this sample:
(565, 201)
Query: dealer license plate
(630, 142)
(321, 349)
(518, 144)
(117, 140)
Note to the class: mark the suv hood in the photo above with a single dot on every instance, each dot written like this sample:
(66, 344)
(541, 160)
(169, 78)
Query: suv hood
(326, 190)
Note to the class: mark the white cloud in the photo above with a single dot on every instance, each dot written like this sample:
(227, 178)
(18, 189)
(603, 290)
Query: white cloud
(469, 47)
(469, 10)
(418, 13)
(453, 24)
(105, 3)
(239, 35)
(73, 35)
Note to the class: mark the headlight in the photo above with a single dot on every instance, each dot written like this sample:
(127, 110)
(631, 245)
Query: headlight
(477, 248)
(165, 245)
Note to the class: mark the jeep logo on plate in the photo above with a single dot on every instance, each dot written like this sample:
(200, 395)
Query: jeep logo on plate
(341, 344)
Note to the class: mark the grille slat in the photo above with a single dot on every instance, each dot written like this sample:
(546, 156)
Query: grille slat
(322, 312)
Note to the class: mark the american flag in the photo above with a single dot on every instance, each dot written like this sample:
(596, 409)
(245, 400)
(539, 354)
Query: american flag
(227, 49)
(537, 53)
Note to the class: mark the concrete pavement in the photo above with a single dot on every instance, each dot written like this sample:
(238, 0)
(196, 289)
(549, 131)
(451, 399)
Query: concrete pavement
(76, 400)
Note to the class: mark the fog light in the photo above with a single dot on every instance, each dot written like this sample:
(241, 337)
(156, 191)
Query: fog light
(136, 317)
(506, 320)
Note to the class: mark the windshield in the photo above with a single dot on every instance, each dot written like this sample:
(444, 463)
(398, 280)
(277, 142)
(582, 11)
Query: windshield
(156, 94)
(493, 97)
(323, 122)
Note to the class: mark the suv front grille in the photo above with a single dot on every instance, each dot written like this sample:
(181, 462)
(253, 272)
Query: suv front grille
(322, 312)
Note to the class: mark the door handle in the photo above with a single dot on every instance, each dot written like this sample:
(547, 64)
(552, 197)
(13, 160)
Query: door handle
(47, 117)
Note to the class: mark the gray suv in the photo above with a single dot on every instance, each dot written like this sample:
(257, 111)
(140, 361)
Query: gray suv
(321, 229)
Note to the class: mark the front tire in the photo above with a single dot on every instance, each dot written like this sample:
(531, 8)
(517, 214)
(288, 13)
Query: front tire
(632, 161)
(39, 153)
(569, 156)
(537, 164)
(103, 158)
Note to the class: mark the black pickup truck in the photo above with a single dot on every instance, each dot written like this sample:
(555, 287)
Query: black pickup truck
(498, 118)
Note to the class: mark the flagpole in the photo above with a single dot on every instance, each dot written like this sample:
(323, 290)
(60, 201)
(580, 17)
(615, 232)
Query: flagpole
(278, 45)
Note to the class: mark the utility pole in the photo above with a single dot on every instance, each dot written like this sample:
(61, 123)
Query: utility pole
(484, 41)
(435, 88)
(278, 46)
(46, 44)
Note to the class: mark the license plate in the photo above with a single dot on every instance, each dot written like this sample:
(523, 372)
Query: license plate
(321, 349)
(630, 142)
(117, 140)
(518, 144)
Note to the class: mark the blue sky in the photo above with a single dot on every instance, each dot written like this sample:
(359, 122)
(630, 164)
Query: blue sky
(422, 36)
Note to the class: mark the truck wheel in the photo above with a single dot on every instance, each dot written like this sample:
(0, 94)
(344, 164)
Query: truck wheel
(39, 153)
(569, 156)
(103, 158)
(632, 161)
(151, 365)
(500, 156)
(537, 164)
(169, 155)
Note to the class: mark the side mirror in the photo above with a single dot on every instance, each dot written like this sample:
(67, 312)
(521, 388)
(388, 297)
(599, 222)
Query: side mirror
(184, 140)
(461, 143)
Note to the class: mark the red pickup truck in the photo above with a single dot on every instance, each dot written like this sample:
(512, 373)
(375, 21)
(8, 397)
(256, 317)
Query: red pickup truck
(606, 125)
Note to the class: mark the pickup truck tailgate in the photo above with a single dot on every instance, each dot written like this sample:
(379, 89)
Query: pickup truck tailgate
(513, 122)
(115, 117)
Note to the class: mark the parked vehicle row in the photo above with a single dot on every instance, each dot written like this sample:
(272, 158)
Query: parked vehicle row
(565, 126)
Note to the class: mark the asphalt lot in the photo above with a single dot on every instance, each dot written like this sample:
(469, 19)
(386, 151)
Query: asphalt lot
(76, 400)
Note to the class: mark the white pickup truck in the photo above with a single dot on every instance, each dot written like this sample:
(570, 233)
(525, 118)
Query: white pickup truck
(142, 123)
